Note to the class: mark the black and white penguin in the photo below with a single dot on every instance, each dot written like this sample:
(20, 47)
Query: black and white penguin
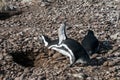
(67, 46)
(90, 43)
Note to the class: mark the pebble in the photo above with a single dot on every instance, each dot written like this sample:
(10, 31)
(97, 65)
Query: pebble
(109, 63)
(3, 62)
(26, 1)
(89, 78)
(51, 53)
(17, 78)
(105, 63)
(96, 78)
(57, 55)
(117, 54)
(115, 36)
(51, 0)
(43, 4)
(36, 50)
(1, 56)
(8, 58)
(80, 75)
(1, 40)
(94, 55)
(35, 38)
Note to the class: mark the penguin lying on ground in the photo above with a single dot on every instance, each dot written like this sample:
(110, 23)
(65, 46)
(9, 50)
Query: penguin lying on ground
(67, 46)
(90, 43)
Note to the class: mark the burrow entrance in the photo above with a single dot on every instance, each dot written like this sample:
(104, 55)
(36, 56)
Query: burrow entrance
(44, 58)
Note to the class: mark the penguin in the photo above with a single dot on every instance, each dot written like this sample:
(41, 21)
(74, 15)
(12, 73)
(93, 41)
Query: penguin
(73, 50)
(90, 43)
(67, 46)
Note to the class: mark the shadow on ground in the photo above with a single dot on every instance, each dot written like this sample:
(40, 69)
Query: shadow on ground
(105, 47)
(8, 14)
(25, 59)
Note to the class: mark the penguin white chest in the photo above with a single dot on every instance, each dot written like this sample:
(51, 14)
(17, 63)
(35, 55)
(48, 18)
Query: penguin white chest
(62, 51)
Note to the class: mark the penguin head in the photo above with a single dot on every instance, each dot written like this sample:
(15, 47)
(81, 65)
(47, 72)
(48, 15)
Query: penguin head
(46, 40)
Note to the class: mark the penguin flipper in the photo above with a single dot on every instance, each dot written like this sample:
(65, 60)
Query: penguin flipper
(62, 33)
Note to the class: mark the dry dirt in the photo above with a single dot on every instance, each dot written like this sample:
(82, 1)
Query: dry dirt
(24, 57)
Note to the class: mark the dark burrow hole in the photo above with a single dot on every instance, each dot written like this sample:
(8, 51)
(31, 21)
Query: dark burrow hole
(25, 59)
(8, 14)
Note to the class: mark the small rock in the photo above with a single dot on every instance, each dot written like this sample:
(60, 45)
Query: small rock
(96, 78)
(94, 55)
(26, 1)
(43, 4)
(113, 79)
(56, 55)
(8, 58)
(38, 57)
(1, 56)
(35, 38)
(109, 63)
(51, 0)
(2, 4)
(1, 40)
(89, 78)
(27, 29)
(117, 54)
(115, 36)
(26, 70)
(36, 50)
(117, 0)
(51, 52)
(27, 39)
(17, 78)
(2, 62)
(105, 63)
(80, 75)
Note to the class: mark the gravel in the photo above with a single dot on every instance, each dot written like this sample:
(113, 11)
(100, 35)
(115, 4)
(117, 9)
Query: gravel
(24, 57)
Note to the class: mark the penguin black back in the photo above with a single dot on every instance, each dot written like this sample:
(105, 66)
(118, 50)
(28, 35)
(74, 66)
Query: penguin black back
(90, 42)
(77, 49)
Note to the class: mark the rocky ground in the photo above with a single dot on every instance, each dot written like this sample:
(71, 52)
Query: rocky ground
(24, 57)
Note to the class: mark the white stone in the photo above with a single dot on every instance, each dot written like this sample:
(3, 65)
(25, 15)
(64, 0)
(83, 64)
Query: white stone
(115, 36)
(26, 1)
(79, 75)
(1, 56)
